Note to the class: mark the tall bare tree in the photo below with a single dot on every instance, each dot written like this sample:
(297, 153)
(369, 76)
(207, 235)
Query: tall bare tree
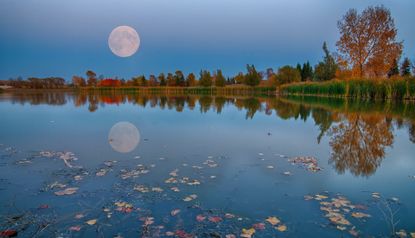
(368, 41)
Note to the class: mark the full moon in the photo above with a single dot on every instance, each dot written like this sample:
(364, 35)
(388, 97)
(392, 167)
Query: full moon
(124, 41)
(124, 137)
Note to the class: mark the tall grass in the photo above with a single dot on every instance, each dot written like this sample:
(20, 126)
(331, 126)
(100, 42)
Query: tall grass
(398, 89)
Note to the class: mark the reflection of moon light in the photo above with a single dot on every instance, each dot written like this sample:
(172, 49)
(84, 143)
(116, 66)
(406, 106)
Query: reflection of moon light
(124, 137)
(123, 41)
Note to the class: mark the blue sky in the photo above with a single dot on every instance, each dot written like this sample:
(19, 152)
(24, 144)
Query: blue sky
(65, 38)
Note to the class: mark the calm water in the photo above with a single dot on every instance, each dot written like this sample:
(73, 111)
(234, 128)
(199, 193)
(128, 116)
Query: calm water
(205, 166)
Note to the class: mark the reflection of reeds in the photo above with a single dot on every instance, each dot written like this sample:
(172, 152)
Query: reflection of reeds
(398, 89)
(389, 214)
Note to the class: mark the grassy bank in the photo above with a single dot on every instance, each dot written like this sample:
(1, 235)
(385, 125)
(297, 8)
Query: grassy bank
(397, 89)
(232, 90)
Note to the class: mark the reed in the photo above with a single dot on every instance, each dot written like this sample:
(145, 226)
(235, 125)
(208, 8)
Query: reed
(397, 89)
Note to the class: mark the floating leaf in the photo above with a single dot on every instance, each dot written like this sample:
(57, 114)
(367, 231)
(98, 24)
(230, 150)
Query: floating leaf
(67, 191)
(215, 219)
(259, 226)
(8, 233)
(79, 216)
(320, 197)
(342, 228)
(92, 222)
(175, 212)
(75, 228)
(360, 215)
(401, 233)
(273, 220)
(281, 228)
(200, 218)
(190, 198)
(247, 233)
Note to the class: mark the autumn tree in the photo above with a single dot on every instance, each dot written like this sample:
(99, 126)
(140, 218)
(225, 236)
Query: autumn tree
(162, 79)
(406, 67)
(368, 41)
(252, 77)
(170, 80)
(179, 78)
(239, 78)
(191, 80)
(326, 69)
(152, 81)
(78, 81)
(288, 74)
(205, 79)
(220, 79)
(92, 78)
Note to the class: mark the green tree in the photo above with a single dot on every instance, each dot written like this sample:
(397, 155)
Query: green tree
(288, 74)
(394, 70)
(406, 67)
(220, 79)
(92, 78)
(306, 72)
(239, 78)
(205, 79)
(252, 78)
(326, 69)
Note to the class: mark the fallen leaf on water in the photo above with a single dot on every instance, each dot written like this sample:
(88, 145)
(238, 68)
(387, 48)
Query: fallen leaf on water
(230, 236)
(75, 228)
(281, 228)
(270, 167)
(247, 233)
(183, 234)
(200, 218)
(8, 233)
(259, 226)
(79, 216)
(342, 228)
(91, 222)
(320, 197)
(148, 221)
(169, 233)
(44, 206)
(412, 234)
(359, 214)
(273, 220)
(287, 173)
(215, 219)
(67, 191)
(175, 189)
(229, 215)
(157, 189)
(354, 233)
(401, 233)
(175, 212)
(190, 198)
(308, 197)
(376, 195)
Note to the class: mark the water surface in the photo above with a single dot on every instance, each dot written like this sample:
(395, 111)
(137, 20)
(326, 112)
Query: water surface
(235, 153)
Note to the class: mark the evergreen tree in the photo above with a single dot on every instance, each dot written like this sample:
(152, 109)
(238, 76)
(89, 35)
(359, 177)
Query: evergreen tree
(394, 70)
(179, 78)
(220, 79)
(326, 69)
(191, 80)
(406, 67)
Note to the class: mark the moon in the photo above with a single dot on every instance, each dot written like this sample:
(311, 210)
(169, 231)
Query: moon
(124, 137)
(124, 41)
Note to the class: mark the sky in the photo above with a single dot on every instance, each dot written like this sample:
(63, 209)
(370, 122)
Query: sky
(44, 38)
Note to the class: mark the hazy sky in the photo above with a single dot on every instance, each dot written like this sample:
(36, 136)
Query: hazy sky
(65, 38)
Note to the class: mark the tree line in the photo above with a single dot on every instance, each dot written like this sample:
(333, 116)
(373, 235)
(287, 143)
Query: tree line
(367, 48)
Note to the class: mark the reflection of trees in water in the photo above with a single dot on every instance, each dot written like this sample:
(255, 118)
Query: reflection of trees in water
(358, 143)
(38, 98)
(323, 119)
(412, 132)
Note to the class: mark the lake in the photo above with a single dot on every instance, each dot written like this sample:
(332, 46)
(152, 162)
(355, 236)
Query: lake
(113, 164)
